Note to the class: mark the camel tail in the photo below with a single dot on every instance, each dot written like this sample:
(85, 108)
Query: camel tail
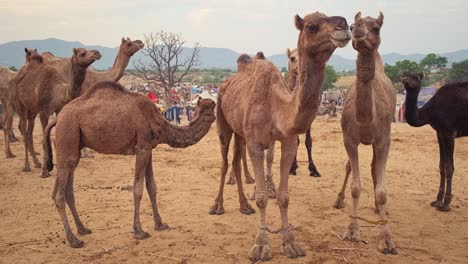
(48, 159)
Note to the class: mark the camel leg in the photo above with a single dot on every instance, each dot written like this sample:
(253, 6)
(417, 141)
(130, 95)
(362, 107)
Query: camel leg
(261, 249)
(339, 203)
(312, 168)
(44, 117)
(290, 247)
(294, 166)
(7, 128)
(232, 178)
(271, 189)
(225, 139)
(152, 190)
(385, 244)
(59, 195)
(142, 159)
(239, 144)
(26, 167)
(353, 157)
(446, 148)
(70, 199)
(248, 177)
(31, 149)
(6, 108)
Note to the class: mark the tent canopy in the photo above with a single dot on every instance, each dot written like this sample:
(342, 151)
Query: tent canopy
(204, 95)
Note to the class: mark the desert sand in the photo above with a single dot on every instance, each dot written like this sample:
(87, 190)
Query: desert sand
(187, 180)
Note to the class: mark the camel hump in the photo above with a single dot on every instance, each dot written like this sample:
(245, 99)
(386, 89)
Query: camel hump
(260, 56)
(243, 61)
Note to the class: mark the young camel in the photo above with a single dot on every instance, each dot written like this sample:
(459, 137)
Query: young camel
(447, 113)
(256, 105)
(6, 75)
(367, 116)
(110, 120)
(39, 88)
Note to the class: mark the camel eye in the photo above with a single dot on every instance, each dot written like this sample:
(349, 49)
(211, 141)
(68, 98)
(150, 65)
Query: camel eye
(313, 28)
(293, 59)
(376, 30)
(351, 27)
(82, 54)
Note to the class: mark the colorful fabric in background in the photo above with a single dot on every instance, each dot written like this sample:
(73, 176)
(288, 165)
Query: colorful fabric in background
(153, 97)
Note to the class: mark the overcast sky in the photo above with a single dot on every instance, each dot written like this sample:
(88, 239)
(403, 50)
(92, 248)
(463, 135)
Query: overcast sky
(410, 26)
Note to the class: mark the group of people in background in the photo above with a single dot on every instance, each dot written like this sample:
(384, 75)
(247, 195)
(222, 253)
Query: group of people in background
(174, 112)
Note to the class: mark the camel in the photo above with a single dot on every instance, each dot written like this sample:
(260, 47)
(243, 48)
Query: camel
(367, 116)
(111, 120)
(6, 75)
(447, 113)
(38, 87)
(256, 106)
(126, 50)
(292, 83)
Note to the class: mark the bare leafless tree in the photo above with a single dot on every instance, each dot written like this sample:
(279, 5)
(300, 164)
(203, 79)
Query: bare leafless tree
(168, 62)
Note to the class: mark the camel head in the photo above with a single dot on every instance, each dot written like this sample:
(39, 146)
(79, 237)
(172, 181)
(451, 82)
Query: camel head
(321, 35)
(30, 53)
(83, 57)
(204, 109)
(130, 47)
(293, 61)
(260, 56)
(412, 80)
(366, 32)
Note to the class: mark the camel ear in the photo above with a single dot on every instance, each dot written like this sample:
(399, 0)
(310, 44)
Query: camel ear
(26, 50)
(199, 100)
(380, 18)
(288, 52)
(128, 39)
(35, 50)
(357, 16)
(75, 51)
(123, 39)
(299, 22)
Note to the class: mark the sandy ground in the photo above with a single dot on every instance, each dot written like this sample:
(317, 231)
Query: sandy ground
(31, 230)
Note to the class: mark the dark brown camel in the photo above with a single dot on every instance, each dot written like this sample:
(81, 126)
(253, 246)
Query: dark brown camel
(447, 113)
(110, 120)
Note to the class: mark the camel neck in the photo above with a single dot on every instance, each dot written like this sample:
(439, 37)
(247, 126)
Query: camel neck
(292, 81)
(184, 136)
(414, 116)
(365, 74)
(120, 64)
(306, 94)
(78, 75)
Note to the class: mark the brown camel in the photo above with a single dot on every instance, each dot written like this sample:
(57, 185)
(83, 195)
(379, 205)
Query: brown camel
(126, 50)
(6, 75)
(110, 120)
(367, 116)
(38, 87)
(256, 105)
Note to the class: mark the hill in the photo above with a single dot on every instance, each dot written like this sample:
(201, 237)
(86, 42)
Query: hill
(12, 54)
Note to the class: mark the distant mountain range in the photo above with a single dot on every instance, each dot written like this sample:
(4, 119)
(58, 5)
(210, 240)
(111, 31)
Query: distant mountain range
(12, 54)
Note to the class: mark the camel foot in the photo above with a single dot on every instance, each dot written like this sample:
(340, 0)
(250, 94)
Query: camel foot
(216, 209)
(26, 169)
(377, 211)
(249, 179)
(386, 246)
(231, 180)
(353, 232)
(443, 208)
(37, 165)
(292, 249)
(74, 242)
(161, 226)
(44, 174)
(437, 203)
(261, 249)
(10, 156)
(293, 173)
(313, 170)
(87, 155)
(141, 235)
(246, 209)
(84, 230)
(339, 203)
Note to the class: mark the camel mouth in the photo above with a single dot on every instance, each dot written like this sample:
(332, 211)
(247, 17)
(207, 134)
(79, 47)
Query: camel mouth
(359, 37)
(340, 38)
